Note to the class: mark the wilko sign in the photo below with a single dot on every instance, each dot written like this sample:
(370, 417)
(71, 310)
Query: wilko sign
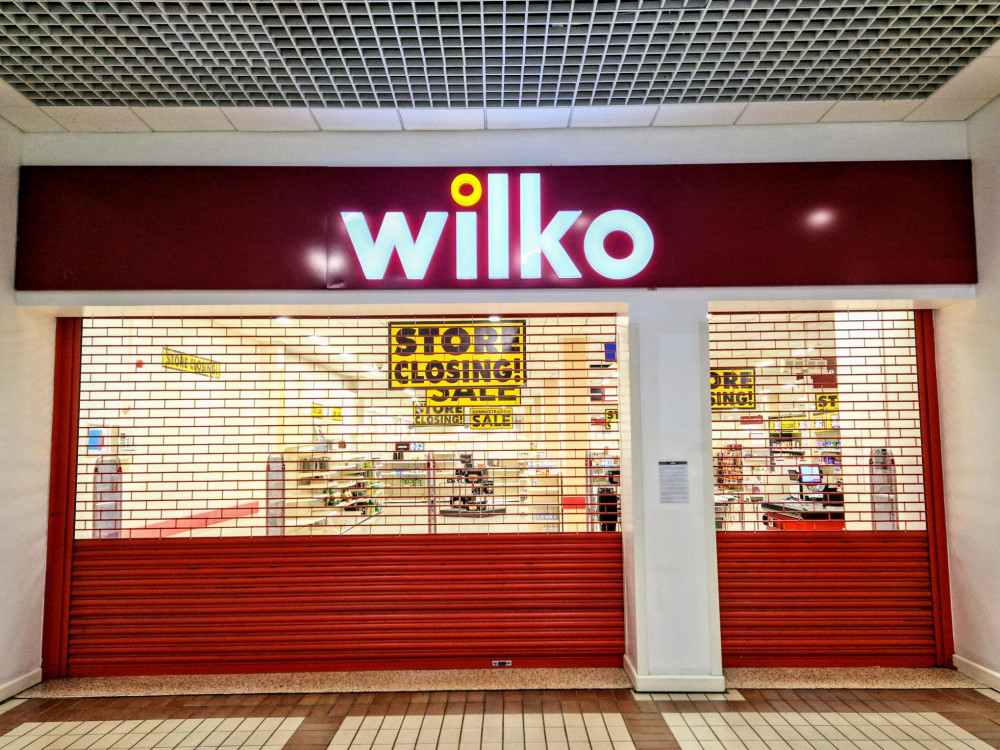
(458, 363)
(536, 238)
(733, 388)
(497, 228)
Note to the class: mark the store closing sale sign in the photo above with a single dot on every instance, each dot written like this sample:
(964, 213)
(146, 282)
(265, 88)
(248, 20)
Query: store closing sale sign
(734, 388)
(435, 416)
(459, 362)
(492, 418)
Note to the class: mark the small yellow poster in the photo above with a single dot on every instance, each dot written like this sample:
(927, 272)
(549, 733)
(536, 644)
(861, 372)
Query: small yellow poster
(827, 402)
(492, 418)
(734, 388)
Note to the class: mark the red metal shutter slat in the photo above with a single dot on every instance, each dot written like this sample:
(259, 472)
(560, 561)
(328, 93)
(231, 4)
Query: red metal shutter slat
(321, 603)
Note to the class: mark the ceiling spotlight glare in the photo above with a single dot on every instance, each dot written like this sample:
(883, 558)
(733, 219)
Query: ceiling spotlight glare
(821, 218)
(284, 320)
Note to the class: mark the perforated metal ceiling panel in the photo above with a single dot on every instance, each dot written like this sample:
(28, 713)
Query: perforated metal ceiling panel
(510, 54)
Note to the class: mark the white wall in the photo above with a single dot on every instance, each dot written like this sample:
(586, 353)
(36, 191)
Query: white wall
(968, 358)
(26, 359)
(694, 145)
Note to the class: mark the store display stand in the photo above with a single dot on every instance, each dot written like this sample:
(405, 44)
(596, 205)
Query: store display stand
(603, 490)
(324, 484)
(473, 491)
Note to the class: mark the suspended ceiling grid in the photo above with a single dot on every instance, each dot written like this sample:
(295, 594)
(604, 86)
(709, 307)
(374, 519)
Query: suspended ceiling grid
(486, 54)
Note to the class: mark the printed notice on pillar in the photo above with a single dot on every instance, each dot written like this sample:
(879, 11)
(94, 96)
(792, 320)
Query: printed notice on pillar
(674, 485)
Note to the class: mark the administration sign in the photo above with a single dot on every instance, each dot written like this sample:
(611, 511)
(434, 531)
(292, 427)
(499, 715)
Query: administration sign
(498, 418)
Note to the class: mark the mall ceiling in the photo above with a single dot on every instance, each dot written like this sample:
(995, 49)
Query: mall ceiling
(489, 55)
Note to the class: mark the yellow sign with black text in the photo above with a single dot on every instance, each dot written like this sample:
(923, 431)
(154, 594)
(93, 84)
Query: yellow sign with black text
(438, 416)
(496, 418)
(318, 410)
(734, 388)
(459, 363)
(175, 360)
(827, 402)
(610, 418)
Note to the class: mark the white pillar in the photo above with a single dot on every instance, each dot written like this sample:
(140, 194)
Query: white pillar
(673, 628)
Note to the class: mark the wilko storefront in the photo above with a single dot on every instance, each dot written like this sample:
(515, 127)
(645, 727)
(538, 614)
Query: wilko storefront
(349, 418)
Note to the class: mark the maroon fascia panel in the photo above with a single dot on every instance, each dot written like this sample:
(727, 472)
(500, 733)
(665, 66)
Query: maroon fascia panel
(729, 225)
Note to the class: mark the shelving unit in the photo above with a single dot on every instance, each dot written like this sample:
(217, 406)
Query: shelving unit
(603, 480)
(405, 480)
(322, 484)
(469, 489)
(812, 439)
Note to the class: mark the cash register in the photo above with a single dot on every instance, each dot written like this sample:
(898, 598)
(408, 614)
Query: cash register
(817, 506)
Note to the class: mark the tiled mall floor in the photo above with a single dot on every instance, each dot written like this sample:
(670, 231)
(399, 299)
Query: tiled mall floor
(930, 719)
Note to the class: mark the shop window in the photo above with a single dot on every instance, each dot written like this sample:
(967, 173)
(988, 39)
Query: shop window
(193, 427)
(815, 422)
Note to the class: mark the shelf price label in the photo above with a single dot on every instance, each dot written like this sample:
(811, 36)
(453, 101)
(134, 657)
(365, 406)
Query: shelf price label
(734, 388)
(827, 402)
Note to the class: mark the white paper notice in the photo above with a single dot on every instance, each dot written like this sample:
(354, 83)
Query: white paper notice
(674, 482)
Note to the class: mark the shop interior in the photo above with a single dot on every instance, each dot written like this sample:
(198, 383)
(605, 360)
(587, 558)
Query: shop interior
(284, 425)
(815, 421)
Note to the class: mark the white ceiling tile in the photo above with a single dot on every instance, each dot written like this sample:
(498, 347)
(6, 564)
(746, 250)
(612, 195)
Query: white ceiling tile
(97, 119)
(183, 119)
(270, 119)
(993, 51)
(979, 80)
(30, 119)
(623, 116)
(355, 118)
(11, 97)
(938, 110)
(509, 118)
(440, 118)
(699, 114)
(871, 111)
(783, 113)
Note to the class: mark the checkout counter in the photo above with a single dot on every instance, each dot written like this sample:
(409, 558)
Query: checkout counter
(816, 507)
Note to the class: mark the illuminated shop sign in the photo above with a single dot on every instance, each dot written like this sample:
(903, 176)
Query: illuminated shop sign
(499, 228)
(458, 363)
(536, 238)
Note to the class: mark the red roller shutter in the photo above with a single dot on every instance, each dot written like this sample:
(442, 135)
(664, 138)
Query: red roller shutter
(828, 496)
(822, 599)
(322, 603)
